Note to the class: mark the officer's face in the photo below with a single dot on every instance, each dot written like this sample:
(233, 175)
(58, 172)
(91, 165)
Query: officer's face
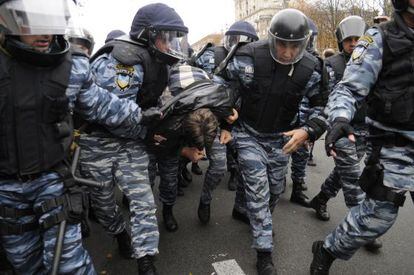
(287, 51)
(162, 45)
(349, 44)
(40, 43)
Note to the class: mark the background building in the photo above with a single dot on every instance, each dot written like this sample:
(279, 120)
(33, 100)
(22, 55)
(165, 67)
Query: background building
(258, 12)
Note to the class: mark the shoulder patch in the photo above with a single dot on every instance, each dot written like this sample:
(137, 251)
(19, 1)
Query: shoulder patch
(123, 76)
(360, 50)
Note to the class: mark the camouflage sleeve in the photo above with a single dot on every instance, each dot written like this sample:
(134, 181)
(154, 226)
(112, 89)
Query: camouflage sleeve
(314, 96)
(206, 61)
(241, 69)
(96, 104)
(360, 76)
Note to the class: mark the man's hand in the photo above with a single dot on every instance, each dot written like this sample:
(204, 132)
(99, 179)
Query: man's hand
(340, 128)
(232, 118)
(192, 153)
(297, 139)
(151, 115)
(159, 139)
(225, 136)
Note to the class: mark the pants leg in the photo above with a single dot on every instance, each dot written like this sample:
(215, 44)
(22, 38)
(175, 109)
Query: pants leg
(298, 165)
(363, 224)
(346, 172)
(97, 162)
(253, 162)
(131, 174)
(215, 171)
(32, 252)
(168, 167)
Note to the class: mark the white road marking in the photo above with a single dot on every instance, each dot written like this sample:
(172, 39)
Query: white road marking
(228, 267)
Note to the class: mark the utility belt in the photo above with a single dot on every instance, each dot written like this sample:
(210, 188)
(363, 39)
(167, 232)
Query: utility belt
(74, 204)
(21, 178)
(372, 177)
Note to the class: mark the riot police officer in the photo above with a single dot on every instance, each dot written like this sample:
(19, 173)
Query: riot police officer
(379, 69)
(274, 76)
(36, 133)
(346, 171)
(348, 153)
(209, 59)
(133, 67)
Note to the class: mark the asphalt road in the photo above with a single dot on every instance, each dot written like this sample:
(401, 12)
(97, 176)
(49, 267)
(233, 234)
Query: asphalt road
(196, 249)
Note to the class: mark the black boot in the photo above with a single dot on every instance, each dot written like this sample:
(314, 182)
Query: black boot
(303, 185)
(204, 213)
(264, 264)
(373, 246)
(237, 215)
(319, 204)
(196, 169)
(169, 220)
(231, 184)
(322, 259)
(298, 196)
(124, 245)
(146, 265)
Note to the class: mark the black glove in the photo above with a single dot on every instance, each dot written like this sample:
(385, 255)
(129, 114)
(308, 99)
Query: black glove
(340, 128)
(151, 115)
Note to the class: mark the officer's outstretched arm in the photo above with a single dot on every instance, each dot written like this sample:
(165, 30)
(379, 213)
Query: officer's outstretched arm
(97, 105)
(360, 76)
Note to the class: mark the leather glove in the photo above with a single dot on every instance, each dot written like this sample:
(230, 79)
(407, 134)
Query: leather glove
(340, 128)
(151, 115)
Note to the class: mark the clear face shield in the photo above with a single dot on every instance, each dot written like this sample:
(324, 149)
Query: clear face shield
(313, 43)
(37, 17)
(287, 52)
(232, 39)
(171, 45)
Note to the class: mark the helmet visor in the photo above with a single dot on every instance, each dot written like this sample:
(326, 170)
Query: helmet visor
(36, 17)
(232, 39)
(287, 51)
(172, 43)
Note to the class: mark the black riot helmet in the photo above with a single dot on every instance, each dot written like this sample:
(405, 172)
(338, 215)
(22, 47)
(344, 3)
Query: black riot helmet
(288, 36)
(240, 31)
(351, 26)
(161, 29)
(312, 44)
(19, 18)
(402, 5)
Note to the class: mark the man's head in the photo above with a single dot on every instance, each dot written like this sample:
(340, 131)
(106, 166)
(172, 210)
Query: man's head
(349, 30)
(34, 30)
(381, 18)
(288, 36)
(112, 35)
(82, 39)
(328, 52)
(200, 129)
(240, 31)
(161, 29)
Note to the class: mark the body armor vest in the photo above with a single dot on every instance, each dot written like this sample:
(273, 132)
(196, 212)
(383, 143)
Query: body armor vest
(391, 101)
(155, 73)
(272, 104)
(338, 64)
(35, 122)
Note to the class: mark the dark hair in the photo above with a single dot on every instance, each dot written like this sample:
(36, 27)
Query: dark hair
(200, 128)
